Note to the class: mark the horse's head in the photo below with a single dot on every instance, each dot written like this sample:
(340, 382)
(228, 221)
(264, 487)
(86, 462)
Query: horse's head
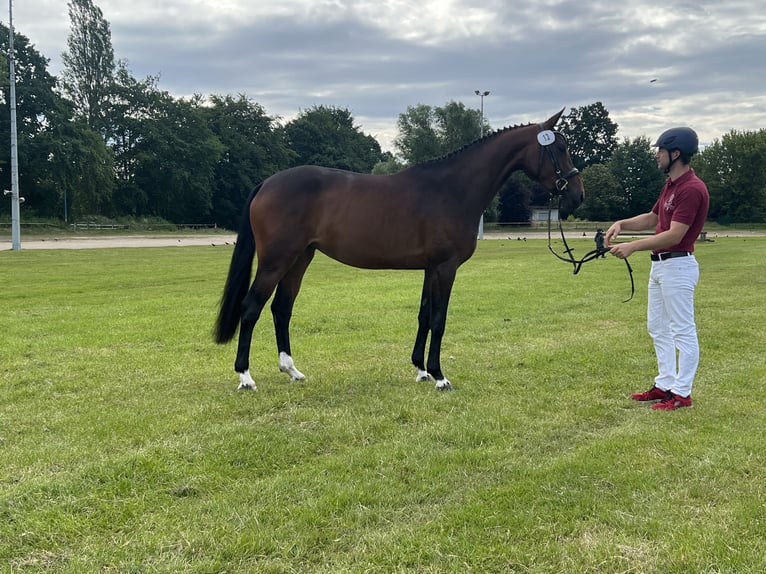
(555, 169)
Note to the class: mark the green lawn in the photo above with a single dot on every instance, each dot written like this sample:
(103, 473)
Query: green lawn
(126, 447)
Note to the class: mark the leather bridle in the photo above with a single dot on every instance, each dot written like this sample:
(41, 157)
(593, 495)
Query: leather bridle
(562, 179)
(562, 183)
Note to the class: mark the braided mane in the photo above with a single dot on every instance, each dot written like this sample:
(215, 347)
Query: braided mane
(453, 153)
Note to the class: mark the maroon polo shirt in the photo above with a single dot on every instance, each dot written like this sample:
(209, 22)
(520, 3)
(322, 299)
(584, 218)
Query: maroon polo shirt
(685, 200)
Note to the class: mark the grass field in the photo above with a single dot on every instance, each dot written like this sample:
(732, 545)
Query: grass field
(125, 446)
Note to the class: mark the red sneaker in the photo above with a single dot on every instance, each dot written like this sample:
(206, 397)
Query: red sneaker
(653, 394)
(673, 402)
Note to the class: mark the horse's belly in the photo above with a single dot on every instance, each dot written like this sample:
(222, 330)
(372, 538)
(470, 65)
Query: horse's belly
(374, 255)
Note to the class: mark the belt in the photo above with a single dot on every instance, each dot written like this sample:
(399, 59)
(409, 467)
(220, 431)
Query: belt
(669, 255)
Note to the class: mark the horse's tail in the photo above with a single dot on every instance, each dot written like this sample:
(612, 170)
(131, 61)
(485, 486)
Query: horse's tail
(238, 280)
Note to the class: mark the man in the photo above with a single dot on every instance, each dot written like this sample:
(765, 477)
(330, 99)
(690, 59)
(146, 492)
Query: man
(677, 218)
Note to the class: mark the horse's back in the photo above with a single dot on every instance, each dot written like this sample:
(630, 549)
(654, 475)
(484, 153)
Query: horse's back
(325, 194)
(311, 181)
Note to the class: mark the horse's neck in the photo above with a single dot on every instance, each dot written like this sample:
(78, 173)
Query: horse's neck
(485, 167)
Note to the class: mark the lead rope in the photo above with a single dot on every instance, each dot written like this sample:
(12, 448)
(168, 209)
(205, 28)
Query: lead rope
(590, 256)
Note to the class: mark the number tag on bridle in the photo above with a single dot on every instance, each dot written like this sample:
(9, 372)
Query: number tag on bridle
(546, 137)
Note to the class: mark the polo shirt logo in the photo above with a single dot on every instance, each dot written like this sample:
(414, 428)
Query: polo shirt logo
(669, 203)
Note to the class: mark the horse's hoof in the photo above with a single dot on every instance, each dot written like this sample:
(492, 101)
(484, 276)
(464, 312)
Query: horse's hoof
(443, 385)
(246, 382)
(422, 376)
(287, 366)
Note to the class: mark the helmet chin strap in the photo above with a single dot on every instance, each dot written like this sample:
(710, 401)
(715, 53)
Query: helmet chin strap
(672, 161)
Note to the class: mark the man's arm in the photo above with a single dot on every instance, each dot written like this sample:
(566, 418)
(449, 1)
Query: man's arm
(637, 223)
(672, 236)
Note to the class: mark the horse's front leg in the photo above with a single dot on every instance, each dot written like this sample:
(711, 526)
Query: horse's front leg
(424, 320)
(441, 287)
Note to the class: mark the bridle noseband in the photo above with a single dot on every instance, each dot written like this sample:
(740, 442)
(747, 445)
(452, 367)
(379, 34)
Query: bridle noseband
(546, 138)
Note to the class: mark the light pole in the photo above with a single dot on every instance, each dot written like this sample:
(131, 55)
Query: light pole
(482, 95)
(481, 120)
(14, 191)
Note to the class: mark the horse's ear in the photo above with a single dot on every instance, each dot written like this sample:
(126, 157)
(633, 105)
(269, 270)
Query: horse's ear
(550, 122)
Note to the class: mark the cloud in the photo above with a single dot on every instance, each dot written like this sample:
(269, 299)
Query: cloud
(378, 57)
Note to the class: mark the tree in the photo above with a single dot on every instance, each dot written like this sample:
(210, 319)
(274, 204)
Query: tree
(418, 139)
(252, 150)
(134, 105)
(426, 132)
(457, 125)
(176, 159)
(605, 196)
(327, 136)
(591, 135)
(89, 64)
(633, 165)
(74, 173)
(734, 170)
(515, 199)
(45, 134)
(88, 176)
(388, 165)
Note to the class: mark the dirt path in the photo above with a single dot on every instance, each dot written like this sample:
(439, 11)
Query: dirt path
(106, 241)
(103, 241)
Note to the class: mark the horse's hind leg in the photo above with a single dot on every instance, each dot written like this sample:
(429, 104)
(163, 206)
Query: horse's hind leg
(256, 299)
(282, 310)
(246, 327)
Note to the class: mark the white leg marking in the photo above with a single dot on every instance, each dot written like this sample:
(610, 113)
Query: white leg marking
(422, 376)
(286, 365)
(443, 385)
(246, 382)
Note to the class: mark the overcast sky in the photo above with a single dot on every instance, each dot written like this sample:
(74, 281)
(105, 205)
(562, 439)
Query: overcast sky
(652, 63)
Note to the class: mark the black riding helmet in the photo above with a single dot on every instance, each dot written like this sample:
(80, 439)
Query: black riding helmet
(682, 139)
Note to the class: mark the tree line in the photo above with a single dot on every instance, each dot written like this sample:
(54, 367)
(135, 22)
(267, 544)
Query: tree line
(621, 178)
(98, 142)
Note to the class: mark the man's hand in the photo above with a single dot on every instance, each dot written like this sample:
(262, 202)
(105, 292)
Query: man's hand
(612, 232)
(622, 250)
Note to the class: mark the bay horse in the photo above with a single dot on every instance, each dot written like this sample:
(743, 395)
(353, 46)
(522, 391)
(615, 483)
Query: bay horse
(424, 217)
